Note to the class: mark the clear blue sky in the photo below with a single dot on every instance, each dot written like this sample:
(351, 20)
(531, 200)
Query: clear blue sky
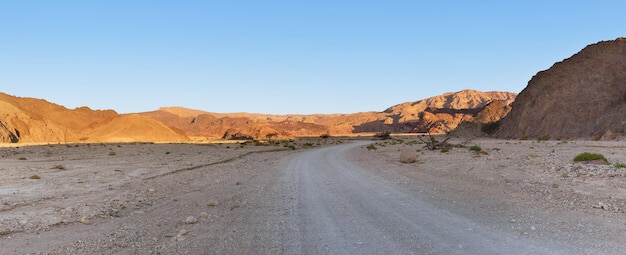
(292, 56)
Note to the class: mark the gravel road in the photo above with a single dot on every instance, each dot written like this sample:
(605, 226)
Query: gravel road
(338, 199)
(344, 209)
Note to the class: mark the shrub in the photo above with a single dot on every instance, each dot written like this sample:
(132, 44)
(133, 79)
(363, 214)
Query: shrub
(112, 153)
(34, 177)
(586, 156)
(555, 186)
(384, 135)
(620, 165)
(544, 138)
(371, 147)
(475, 148)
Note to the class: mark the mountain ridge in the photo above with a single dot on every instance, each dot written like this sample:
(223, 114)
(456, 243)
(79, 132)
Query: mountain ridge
(37, 120)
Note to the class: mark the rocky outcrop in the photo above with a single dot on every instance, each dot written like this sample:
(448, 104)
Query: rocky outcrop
(583, 96)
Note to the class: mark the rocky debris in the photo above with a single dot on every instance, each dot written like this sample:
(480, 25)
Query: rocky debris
(212, 203)
(592, 170)
(581, 97)
(191, 220)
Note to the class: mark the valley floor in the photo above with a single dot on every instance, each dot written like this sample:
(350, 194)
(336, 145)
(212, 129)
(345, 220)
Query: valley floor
(516, 197)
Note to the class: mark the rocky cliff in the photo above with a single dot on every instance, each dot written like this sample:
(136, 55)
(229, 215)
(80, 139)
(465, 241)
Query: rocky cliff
(583, 96)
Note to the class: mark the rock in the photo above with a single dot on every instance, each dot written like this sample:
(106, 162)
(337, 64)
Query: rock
(182, 232)
(204, 215)
(85, 220)
(191, 220)
(212, 203)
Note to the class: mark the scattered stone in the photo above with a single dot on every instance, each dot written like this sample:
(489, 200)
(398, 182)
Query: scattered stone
(204, 215)
(85, 220)
(212, 203)
(191, 220)
(182, 232)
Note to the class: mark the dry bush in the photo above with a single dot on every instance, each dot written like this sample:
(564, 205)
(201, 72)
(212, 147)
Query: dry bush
(407, 157)
(34, 177)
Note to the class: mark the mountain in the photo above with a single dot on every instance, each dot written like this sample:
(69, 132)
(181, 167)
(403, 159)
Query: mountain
(580, 97)
(36, 120)
(407, 117)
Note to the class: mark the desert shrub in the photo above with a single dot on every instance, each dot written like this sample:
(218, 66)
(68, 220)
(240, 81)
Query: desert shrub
(34, 177)
(490, 128)
(371, 147)
(523, 137)
(22, 158)
(596, 138)
(620, 165)
(475, 148)
(444, 150)
(407, 157)
(555, 186)
(325, 136)
(586, 156)
(112, 153)
(384, 135)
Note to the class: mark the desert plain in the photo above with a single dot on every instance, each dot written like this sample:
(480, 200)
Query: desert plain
(313, 196)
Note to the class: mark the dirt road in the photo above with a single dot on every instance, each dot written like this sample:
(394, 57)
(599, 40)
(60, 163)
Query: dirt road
(340, 199)
(343, 209)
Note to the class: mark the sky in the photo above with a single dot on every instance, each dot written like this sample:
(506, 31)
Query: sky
(291, 56)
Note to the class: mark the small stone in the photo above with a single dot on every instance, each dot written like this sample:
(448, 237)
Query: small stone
(151, 190)
(182, 232)
(532, 228)
(85, 220)
(204, 215)
(513, 220)
(212, 203)
(191, 220)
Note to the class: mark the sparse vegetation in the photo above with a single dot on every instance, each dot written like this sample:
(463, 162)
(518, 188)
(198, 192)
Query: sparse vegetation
(586, 156)
(371, 147)
(620, 165)
(555, 186)
(444, 150)
(112, 153)
(543, 138)
(475, 148)
(34, 177)
(22, 158)
(523, 137)
(383, 135)
(432, 143)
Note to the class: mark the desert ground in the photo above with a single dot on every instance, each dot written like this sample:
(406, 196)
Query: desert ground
(313, 196)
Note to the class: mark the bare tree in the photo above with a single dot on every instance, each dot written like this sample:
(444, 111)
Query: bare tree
(431, 142)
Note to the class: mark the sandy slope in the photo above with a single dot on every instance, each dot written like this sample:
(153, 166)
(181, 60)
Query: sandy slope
(135, 199)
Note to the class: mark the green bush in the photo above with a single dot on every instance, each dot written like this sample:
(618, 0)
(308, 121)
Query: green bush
(475, 148)
(586, 156)
(371, 147)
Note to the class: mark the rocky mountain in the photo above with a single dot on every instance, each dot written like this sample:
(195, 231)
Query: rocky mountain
(407, 117)
(582, 96)
(36, 120)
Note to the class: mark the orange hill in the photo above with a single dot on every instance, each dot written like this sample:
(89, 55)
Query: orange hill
(36, 120)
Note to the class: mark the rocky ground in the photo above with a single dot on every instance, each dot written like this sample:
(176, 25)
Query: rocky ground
(193, 198)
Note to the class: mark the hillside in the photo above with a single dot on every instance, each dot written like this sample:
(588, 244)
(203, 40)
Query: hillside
(36, 120)
(407, 117)
(583, 96)
(32, 120)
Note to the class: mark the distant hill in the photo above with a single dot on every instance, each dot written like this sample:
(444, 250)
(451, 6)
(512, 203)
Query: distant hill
(583, 96)
(36, 120)
(406, 117)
